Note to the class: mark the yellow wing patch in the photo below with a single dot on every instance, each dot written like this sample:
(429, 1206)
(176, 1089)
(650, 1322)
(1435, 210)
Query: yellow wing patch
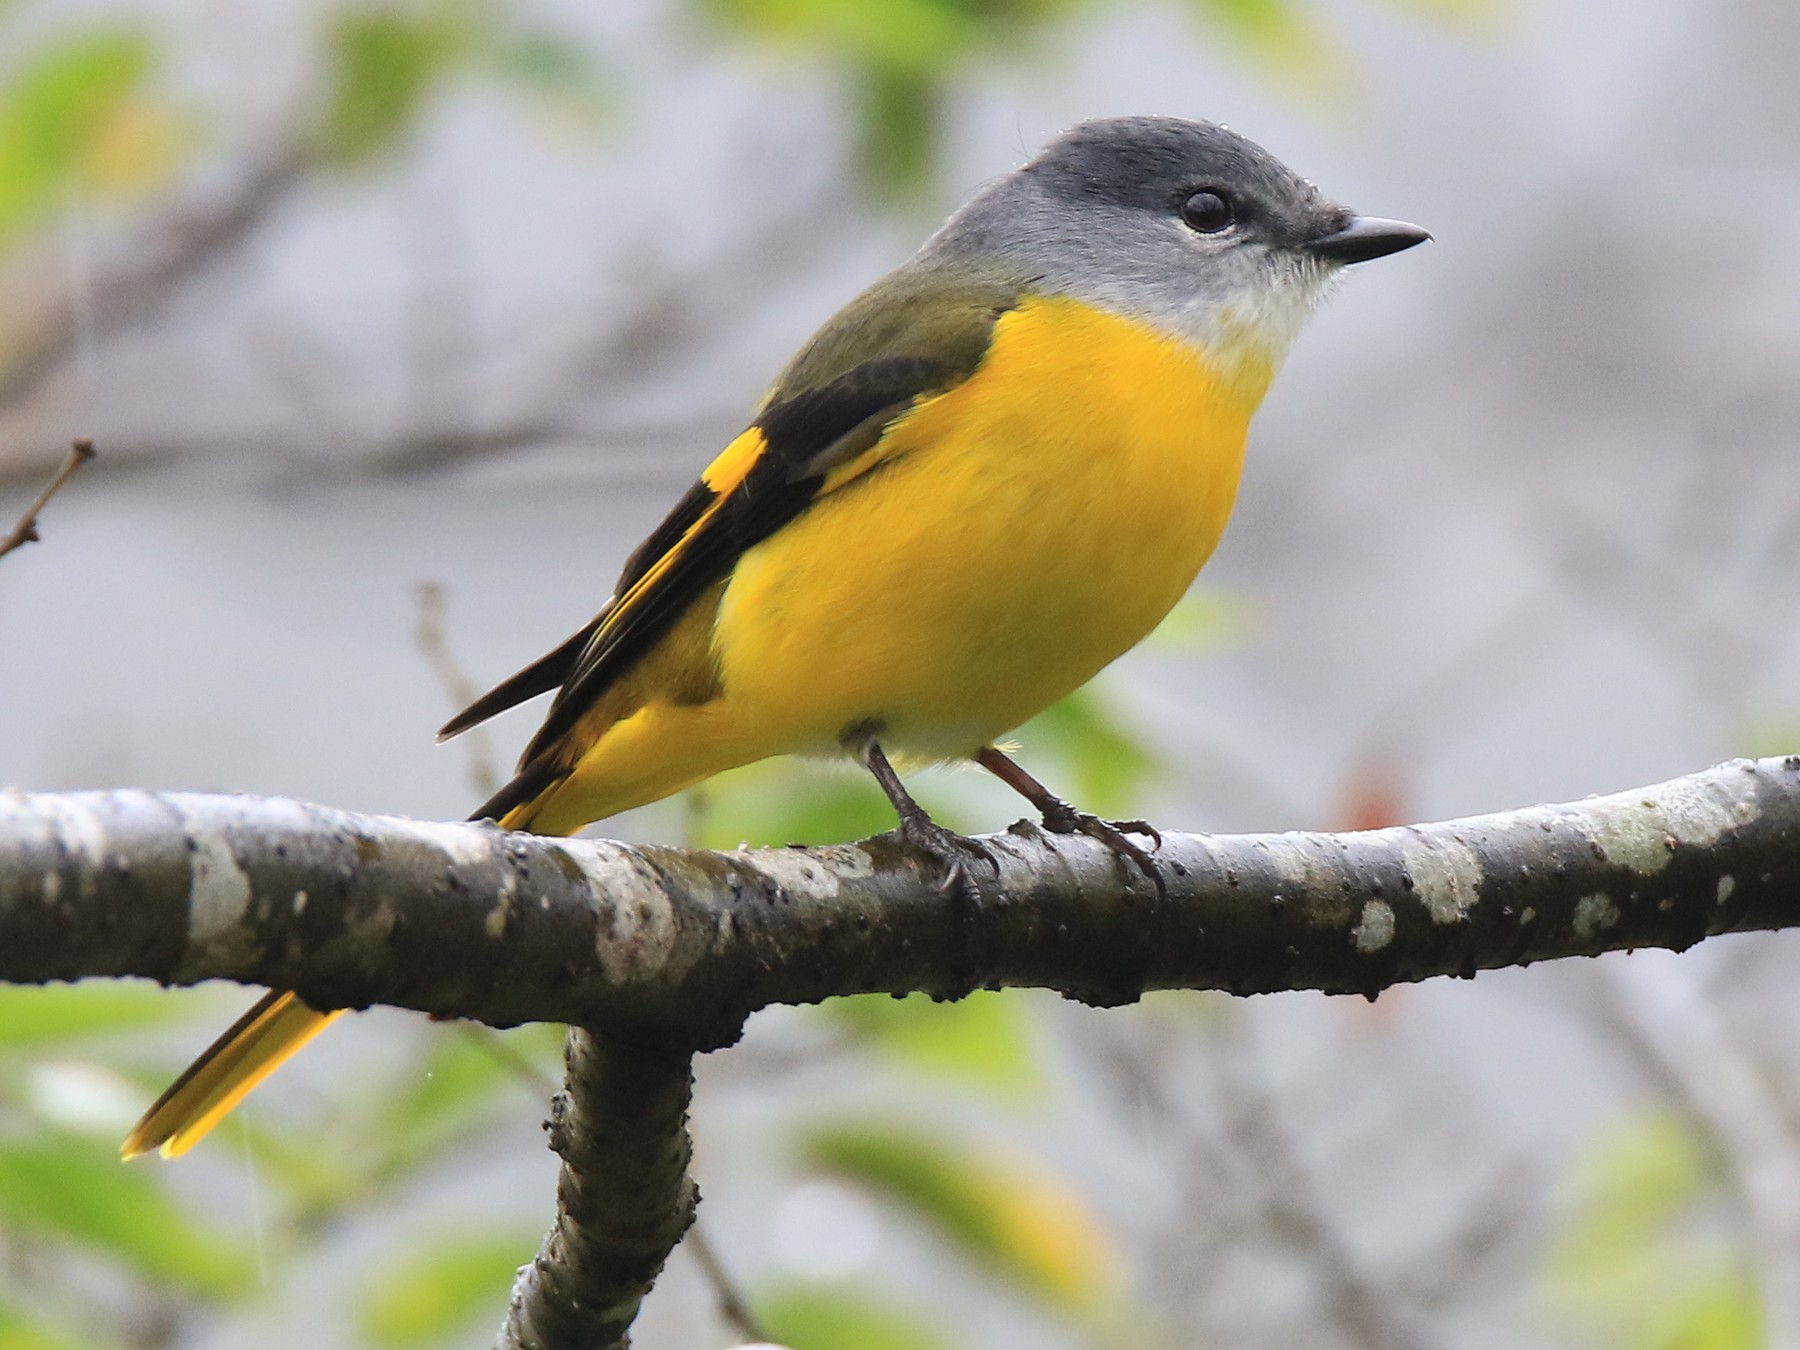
(722, 476)
(732, 464)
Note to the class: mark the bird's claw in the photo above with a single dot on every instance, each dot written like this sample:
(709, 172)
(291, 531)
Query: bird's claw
(1061, 818)
(952, 853)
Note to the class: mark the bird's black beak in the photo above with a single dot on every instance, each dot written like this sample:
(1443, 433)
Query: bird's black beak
(1364, 237)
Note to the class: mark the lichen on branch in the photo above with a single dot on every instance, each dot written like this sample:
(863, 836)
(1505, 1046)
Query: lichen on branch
(466, 920)
(661, 952)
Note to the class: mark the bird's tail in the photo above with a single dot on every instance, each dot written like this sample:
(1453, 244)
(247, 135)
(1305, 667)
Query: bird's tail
(641, 759)
(257, 1044)
(252, 1048)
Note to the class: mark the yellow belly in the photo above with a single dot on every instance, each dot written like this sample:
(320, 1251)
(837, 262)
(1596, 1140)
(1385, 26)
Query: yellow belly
(1036, 523)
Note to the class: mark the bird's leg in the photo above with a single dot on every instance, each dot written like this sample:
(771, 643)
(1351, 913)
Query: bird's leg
(952, 851)
(1061, 818)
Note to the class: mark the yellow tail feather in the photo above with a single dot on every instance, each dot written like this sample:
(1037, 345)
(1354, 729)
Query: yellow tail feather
(255, 1046)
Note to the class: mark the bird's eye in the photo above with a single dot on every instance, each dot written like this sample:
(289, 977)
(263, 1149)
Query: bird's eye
(1207, 211)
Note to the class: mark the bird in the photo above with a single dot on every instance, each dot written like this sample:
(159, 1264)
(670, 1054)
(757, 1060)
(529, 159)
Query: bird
(984, 479)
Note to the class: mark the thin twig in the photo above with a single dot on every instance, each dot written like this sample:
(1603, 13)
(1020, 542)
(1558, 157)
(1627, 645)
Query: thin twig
(501, 1052)
(1140, 1068)
(1494, 1220)
(428, 637)
(166, 252)
(26, 531)
(647, 330)
(1365, 1310)
(1677, 1033)
(1279, 1195)
(733, 1309)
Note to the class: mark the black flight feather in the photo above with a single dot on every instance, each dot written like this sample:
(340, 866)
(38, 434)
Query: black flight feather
(806, 433)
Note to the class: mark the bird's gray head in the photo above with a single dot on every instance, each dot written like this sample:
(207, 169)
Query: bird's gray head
(1184, 225)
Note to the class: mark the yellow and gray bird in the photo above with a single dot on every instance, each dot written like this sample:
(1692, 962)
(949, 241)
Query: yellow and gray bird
(985, 478)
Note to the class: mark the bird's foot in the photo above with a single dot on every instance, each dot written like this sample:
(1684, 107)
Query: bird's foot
(1061, 818)
(952, 852)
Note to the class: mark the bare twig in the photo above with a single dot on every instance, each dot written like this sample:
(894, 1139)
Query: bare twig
(1495, 1219)
(1279, 1199)
(26, 531)
(428, 637)
(734, 1309)
(1359, 1307)
(522, 1069)
(1677, 1033)
(170, 250)
(657, 320)
(1140, 1067)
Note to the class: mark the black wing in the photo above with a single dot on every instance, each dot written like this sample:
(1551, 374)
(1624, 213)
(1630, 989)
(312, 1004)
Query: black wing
(763, 480)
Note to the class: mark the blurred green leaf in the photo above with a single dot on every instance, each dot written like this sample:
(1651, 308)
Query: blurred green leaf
(783, 801)
(1768, 736)
(55, 113)
(468, 1073)
(899, 56)
(798, 801)
(383, 65)
(38, 1017)
(388, 61)
(552, 68)
(983, 1040)
(1109, 766)
(1633, 1190)
(319, 1182)
(1203, 619)
(1259, 22)
(399, 1128)
(74, 1188)
(1724, 1313)
(900, 111)
(916, 35)
(1648, 1255)
(459, 1077)
(1453, 11)
(808, 1318)
(1289, 43)
(19, 1332)
(1019, 1222)
(440, 1289)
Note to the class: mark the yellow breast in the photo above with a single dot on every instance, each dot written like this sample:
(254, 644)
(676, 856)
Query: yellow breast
(1031, 525)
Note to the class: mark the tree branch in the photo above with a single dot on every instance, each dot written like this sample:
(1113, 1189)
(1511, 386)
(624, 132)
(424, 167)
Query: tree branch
(666, 951)
(734, 1309)
(26, 530)
(471, 921)
(168, 251)
(622, 1202)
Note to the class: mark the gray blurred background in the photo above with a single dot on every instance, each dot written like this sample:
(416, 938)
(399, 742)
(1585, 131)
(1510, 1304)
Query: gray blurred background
(1521, 522)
